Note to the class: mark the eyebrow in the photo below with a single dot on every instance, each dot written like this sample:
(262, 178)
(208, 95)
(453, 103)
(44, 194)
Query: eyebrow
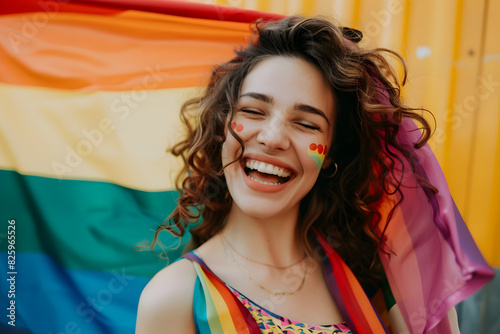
(297, 106)
(258, 96)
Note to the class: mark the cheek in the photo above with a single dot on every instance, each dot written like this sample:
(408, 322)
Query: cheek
(231, 144)
(237, 127)
(317, 152)
(231, 147)
(243, 128)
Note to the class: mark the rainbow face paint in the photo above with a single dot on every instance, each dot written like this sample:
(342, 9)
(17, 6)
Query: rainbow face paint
(236, 127)
(318, 153)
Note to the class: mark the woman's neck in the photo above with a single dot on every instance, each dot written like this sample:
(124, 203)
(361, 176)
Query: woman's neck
(267, 240)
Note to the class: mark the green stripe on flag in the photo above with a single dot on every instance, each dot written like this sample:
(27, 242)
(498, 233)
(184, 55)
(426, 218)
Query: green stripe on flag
(87, 224)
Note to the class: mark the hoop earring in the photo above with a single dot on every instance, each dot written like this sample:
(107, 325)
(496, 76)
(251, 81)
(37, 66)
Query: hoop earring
(330, 175)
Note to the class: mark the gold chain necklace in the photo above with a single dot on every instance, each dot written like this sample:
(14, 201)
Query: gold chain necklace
(287, 293)
(261, 263)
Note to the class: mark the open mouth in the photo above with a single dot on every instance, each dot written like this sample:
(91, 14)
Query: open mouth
(265, 173)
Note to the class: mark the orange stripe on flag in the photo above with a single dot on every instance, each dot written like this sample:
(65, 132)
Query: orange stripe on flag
(133, 51)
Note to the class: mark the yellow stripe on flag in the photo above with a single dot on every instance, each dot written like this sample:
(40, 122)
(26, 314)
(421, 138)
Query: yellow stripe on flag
(119, 137)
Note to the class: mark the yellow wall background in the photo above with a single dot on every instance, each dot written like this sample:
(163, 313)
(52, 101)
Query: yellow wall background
(452, 49)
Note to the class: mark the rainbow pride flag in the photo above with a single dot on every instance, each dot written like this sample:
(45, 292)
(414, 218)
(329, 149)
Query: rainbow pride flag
(90, 95)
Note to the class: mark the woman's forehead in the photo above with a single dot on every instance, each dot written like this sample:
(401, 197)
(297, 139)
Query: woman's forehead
(287, 80)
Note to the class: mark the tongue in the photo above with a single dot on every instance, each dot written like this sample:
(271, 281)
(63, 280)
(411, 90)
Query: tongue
(264, 177)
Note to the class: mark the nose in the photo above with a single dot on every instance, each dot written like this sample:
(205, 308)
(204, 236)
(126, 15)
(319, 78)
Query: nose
(273, 135)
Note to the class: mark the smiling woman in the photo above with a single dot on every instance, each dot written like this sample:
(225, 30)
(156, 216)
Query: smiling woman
(323, 185)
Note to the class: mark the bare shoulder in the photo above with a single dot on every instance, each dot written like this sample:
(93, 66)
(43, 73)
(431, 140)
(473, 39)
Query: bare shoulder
(167, 300)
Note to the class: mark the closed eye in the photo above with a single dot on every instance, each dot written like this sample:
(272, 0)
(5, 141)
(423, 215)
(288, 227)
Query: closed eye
(309, 126)
(251, 111)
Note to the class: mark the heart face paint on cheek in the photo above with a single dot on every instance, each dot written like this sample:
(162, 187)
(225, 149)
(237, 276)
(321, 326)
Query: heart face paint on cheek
(317, 153)
(236, 127)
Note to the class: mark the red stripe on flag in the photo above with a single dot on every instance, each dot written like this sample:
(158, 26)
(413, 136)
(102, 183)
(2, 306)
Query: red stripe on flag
(50, 7)
(109, 7)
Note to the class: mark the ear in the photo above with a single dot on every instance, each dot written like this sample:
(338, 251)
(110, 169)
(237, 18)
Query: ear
(328, 161)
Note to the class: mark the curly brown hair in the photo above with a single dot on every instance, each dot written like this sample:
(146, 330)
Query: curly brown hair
(343, 208)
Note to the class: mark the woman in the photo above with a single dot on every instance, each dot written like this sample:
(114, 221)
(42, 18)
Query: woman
(291, 153)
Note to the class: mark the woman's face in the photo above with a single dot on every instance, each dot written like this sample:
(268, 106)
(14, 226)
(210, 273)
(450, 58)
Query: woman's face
(284, 115)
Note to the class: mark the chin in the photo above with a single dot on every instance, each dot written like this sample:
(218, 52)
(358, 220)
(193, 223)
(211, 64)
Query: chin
(260, 210)
(263, 207)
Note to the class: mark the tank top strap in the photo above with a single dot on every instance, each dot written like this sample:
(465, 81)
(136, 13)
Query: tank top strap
(215, 308)
(195, 258)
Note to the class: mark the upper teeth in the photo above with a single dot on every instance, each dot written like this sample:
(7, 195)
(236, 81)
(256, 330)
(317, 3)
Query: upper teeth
(268, 168)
